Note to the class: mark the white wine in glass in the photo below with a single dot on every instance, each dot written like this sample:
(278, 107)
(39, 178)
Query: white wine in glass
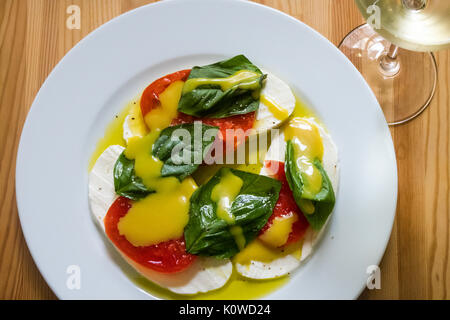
(393, 52)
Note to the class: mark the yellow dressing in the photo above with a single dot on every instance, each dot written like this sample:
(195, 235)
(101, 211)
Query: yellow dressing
(135, 121)
(113, 135)
(252, 168)
(278, 232)
(308, 146)
(238, 235)
(258, 251)
(224, 193)
(237, 288)
(254, 158)
(245, 78)
(301, 110)
(147, 166)
(241, 288)
(205, 173)
(159, 217)
(307, 206)
(161, 117)
(275, 109)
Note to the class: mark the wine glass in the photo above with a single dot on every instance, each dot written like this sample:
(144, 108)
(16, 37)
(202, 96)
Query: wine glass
(393, 52)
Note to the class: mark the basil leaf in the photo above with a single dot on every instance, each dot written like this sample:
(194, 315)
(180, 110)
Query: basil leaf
(208, 235)
(210, 101)
(181, 158)
(323, 201)
(126, 183)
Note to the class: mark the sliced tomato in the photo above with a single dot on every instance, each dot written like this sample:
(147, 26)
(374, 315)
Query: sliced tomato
(239, 122)
(285, 205)
(150, 100)
(150, 96)
(167, 257)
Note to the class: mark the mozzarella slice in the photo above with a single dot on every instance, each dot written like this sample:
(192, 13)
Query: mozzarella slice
(279, 92)
(101, 183)
(284, 265)
(134, 125)
(127, 129)
(204, 274)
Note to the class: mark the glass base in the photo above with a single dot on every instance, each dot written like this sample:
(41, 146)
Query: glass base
(404, 87)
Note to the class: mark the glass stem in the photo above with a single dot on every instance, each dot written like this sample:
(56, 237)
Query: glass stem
(393, 52)
(389, 63)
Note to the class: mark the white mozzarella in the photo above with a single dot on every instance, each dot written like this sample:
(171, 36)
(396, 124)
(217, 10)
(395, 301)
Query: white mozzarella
(127, 131)
(133, 124)
(101, 183)
(268, 270)
(205, 274)
(282, 95)
(282, 266)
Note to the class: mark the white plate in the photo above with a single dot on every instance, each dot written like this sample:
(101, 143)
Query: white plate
(113, 64)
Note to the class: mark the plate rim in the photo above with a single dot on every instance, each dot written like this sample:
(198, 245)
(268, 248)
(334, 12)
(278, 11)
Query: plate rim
(117, 19)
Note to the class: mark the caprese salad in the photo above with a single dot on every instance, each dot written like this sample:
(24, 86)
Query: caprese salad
(188, 222)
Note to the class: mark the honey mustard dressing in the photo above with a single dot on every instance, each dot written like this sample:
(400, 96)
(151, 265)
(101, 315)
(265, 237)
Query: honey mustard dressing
(279, 231)
(135, 121)
(159, 217)
(244, 78)
(161, 117)
(237, 288)
(257, 250)
(113, 135)
(279, 112)
(224, 194)
(308, 146)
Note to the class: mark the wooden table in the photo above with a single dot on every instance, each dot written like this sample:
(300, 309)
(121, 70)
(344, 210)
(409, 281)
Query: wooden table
(34, 37)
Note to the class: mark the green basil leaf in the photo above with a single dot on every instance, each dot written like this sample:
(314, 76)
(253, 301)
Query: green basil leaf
(210, 101)
(190, 155)
(208, 235)
(126, 183)
(323, 201)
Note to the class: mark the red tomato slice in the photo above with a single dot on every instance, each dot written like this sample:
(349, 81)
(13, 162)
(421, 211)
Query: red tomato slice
(286, 205)
(166, 257)
(150, 96)
(150, 100)
(239, 122)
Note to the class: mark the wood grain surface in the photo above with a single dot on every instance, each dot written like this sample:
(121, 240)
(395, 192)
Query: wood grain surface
(34, 37)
